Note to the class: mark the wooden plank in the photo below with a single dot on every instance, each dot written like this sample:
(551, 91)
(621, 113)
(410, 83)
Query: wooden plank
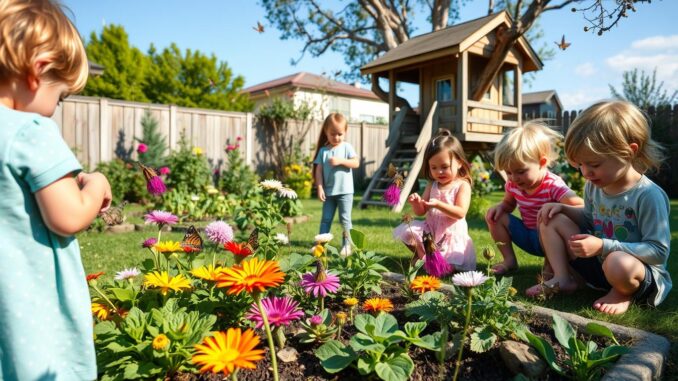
(517, 91)
(493, 122)
(462, 91)
(93, 135)
(492, 107)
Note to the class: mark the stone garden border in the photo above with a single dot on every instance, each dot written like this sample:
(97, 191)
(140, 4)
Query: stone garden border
(645, 361)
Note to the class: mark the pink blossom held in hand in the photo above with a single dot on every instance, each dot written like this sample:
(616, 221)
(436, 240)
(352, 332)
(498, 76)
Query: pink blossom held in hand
(436, 265)
(392, 195)
(142, 148)
(280, 311)
(156, 186)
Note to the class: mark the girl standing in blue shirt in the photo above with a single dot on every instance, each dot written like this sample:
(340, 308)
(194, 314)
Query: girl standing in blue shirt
(333, 160)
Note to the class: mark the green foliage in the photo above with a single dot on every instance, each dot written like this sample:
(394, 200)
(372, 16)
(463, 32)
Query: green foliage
(155, 142)
(198, 206)
(299, 178)
(584, 361)
(192, 79)
(643, 90)
(127, 182)
(481, 187)
(125, 66)
(360, 272)
(190, 171)
(237, 178)
(379, 347)
(320, 333)
(568, 173)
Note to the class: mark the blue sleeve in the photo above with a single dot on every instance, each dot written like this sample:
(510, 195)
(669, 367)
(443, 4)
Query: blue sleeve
(40, 156)
(350, 152)
(653, 223)
(319, 158)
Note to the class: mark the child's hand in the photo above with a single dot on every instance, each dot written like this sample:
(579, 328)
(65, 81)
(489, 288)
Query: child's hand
(85, 178)
(415, 200)
(494, 213)
(433, 203)
(548, 211)
(586, 245)
(334, 161)
(321, 194)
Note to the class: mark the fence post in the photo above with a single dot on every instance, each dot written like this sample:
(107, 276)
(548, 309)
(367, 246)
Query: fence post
(105, 137)
(249, 138)
(363, 171)
(172, 127)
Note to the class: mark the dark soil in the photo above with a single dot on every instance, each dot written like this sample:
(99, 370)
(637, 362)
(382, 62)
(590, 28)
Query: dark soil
(475, 366)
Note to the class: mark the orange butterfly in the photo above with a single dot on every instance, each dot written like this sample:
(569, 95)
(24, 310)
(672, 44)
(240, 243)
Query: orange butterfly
(253, 241)
(192, 242)
(562, 45)
(149, 172)
(259, 28)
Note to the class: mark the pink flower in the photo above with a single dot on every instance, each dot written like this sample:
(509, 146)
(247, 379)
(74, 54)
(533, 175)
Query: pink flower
(280, 311)
(436, 265)
(238, 138)
(164, 170)
(316, 320)
(219, 232)
(155, 186)
(230, 148)
(161, 218)
(392, 195)
(320, 284)
(142, 148)
(150, 242)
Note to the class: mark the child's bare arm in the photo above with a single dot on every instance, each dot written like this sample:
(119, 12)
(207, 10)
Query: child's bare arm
(461, 203)
(67, 208)
(505, 206)
(349, 163)
(318, 176)
(572, 199)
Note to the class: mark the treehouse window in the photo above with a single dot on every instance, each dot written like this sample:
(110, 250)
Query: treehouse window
(444, 90)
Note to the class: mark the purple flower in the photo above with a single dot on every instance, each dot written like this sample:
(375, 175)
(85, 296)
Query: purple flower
(280, 311)
(219, 232)
(320, 284)
(142, 148)
(436, 265)
(150, 242)
(392, 195)
(316, 320)
(155, 186)
(164, 170)
(161, 218)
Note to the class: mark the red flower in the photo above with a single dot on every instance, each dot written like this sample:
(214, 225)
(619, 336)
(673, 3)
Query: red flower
(242, 249)
(94, 276)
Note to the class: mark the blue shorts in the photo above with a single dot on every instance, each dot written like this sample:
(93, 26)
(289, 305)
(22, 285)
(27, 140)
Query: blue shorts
(524, 237)
(591, 269)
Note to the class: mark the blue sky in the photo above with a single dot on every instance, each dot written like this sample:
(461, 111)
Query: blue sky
(580, 74)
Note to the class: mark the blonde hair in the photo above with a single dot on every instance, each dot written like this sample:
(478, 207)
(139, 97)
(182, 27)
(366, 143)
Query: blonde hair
(334, 119)
(444, 141)
(34, 31)
(525, 144)
(608, 128)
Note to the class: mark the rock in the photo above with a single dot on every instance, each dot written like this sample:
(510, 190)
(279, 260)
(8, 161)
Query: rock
(122, 228)
(288, 354)
(521, 358)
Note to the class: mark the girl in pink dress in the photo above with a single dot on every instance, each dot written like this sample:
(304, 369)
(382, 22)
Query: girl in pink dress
(445, 202)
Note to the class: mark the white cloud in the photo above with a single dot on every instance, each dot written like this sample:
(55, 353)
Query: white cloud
(657, 42)
(583, 97)
(660, 52)
(586, 69)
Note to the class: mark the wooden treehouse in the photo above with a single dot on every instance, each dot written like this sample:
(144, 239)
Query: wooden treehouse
(446, 65)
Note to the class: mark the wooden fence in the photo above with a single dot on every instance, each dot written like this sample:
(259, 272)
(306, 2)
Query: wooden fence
(101, 129)
(664, 124)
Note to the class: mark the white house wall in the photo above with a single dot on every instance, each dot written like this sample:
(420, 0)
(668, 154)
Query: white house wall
(359, 109)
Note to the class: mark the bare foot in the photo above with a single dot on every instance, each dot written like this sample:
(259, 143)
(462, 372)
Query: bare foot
(614, 303)
(504, 268)
(552, 287)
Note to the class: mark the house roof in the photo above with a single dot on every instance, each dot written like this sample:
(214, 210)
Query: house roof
(541, 97)
(304, 80)
(460, 36)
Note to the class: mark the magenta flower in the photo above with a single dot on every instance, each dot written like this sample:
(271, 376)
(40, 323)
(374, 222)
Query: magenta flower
(150, 242)
(164, 170)
(392, 195)
(142, 148)
(316, 320)
(238, 138)
(320, 284)
(155, 186)
(280, 311)
(436, 265)
(219, 232)
(161, 218)
(230, 148)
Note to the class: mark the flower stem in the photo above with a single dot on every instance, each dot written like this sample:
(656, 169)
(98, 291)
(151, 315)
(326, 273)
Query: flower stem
(234, 375)
(463, 334)
(443, 347)
(104, 297)
(322, 303)
(271, 345)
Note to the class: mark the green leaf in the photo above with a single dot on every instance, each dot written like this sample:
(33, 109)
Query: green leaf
(482, 340)
(365, 365)
(599, 330)
(361, 321)
(335, 356)
(123, 294)
(545, 350)
(398, 368)
(563, 331)
(358, 238)
(362, 342)
(295, 262)
(414, 329)
(385, 326)
(131, 371)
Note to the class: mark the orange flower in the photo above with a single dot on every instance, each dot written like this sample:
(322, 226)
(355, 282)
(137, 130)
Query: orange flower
(94, 276)
(425, 283)
(377, 305)
(252, 275)
(228, 351)
(101, 311)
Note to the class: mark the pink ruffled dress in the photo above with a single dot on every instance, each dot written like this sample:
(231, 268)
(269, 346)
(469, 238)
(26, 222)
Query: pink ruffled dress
(450, 234)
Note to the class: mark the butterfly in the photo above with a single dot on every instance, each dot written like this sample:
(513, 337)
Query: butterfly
(429, 243)
(149, 172)
(253, 241)
(393, 173)
(259, 28)
(192, 242)
(114, 215)
(563, 45)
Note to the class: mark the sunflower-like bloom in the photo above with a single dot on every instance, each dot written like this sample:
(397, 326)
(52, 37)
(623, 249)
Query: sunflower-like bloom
(228, 351)
(101, 311)
(207, 272)
(425, 283)
(378, 305)
(164, 282)
(350, 302)
(168, 247)
(250, 276)
(161, 342)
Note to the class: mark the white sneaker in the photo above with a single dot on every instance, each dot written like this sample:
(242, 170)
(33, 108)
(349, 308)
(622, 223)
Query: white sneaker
(345, 251)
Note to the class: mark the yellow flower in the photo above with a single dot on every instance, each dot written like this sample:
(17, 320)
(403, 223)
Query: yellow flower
(350, 302)
(341, 317)
(197, 151)
(164, 282)
(228, 351)
(168, 247)
(318, 251)
(101, 311)
(207, 272)
(378, 305)
(425, 283)
(161, 342)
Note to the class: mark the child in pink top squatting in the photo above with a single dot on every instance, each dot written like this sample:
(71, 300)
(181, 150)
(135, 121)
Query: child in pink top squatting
(445, 202)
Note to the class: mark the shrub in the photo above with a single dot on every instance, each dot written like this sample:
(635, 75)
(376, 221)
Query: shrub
(127, 182)
(237, 177)
(190, 171)
(154, 153)
(299, 178)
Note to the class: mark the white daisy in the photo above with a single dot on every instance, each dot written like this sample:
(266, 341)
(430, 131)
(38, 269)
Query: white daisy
(127, 273)
(282, 239)
(271, 184)
(323, 238)
(287, 193)
(469, 279)
(195, 197)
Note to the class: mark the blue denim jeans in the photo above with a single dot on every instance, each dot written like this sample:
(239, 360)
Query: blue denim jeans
(345, 203)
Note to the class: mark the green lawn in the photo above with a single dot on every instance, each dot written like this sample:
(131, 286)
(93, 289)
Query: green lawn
(112, 252)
